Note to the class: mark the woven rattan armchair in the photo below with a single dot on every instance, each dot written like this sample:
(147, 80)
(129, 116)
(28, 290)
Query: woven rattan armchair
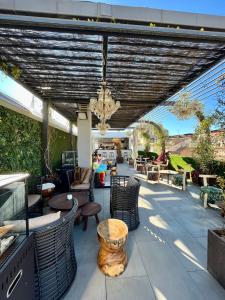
(124, 200)
(55, 261)
(35, 201)
(89, 188)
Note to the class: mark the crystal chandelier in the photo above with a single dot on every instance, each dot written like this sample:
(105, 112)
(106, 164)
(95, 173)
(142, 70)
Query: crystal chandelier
(104, 107)
(102, 127)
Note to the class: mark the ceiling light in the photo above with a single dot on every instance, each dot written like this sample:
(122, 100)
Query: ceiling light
(104, 107)
(82, 116)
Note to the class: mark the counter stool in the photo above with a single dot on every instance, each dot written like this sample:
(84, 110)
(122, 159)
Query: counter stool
(88, 210)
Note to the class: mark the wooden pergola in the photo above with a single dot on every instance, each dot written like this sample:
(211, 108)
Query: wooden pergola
(64, 61)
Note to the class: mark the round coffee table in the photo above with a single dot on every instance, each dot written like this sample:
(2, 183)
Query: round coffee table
(88, 210)
(60, 202)
(112, 236)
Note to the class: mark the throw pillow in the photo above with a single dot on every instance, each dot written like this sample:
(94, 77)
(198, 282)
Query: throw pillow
(83, 174)
(87, 176)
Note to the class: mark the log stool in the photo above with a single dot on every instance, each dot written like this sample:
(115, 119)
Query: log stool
(88, 210)
(112, 236)
(113, 171)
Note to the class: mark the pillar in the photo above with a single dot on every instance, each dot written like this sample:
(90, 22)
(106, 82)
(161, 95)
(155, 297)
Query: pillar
(84, 141)
(71, 136)
(46, 106)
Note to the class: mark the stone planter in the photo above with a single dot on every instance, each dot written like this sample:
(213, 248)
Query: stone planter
(216, 254)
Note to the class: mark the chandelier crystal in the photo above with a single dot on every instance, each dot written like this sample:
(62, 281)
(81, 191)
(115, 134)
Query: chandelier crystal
(104, 107)
(102, 127)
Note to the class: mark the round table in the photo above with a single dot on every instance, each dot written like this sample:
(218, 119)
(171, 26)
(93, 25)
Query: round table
(60, 202)
(112, 236)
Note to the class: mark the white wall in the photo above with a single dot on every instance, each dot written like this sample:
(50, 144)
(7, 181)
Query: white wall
(84, 141)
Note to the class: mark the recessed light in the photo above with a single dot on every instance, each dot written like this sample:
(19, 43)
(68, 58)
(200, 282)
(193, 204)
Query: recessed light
(45, 87)
(82, 115)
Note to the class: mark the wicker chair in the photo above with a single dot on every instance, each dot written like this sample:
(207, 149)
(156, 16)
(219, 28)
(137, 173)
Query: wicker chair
(55, 261)
(35, 203)
(89, 189)
(124, 200)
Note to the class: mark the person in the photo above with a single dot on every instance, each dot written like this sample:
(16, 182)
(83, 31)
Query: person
(162, 158)
(99, 158)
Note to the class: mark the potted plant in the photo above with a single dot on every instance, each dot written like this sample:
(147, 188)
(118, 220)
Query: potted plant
(216, 244)
(216, 254)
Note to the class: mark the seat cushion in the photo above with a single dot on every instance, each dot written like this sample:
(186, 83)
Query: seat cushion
(33, 199)
(34, 223)
(81, 186)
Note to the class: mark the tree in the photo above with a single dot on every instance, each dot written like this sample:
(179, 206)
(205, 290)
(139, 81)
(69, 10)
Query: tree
(203, 149)
(219, 114)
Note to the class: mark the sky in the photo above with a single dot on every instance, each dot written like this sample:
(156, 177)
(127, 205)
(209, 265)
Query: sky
(213, 7)
(170, 122)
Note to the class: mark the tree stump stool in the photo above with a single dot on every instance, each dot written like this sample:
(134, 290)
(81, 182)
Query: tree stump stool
(113, 171)
(88, 210)
(112, 236)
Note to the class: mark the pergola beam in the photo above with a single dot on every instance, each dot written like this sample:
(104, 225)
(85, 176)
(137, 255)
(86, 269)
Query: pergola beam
(96, 28)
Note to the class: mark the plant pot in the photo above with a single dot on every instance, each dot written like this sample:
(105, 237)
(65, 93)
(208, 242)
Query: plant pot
(119, 160)
(216, 254)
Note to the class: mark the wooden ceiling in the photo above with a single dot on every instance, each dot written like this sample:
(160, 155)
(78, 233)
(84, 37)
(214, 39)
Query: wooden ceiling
(67, 65)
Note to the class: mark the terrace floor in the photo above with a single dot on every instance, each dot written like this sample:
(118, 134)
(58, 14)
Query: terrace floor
(167, 253)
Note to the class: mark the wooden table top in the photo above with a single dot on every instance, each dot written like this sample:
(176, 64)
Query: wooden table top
(112, 229)
(207, 176)
(60, 202)
(168, 172)
(91, 209)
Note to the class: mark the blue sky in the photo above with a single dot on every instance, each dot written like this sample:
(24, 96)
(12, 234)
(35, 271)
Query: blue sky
(216, 7)
(169, 121)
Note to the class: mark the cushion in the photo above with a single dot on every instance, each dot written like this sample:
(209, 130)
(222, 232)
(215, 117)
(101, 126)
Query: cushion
(81, 186)
(33, 199)
(20, 225)
(77, 174)
(83, 174)
(87, 176)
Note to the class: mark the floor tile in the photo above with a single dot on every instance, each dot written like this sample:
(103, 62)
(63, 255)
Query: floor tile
(135, 288)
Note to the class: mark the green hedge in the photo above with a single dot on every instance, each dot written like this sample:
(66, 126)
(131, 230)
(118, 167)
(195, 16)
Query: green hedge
(60, 141)
(21, 144)
(152, 155)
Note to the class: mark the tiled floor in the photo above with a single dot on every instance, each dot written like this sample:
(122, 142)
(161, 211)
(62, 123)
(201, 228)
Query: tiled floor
(167, 253)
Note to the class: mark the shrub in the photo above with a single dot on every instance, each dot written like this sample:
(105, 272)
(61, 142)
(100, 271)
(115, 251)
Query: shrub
(152, 155)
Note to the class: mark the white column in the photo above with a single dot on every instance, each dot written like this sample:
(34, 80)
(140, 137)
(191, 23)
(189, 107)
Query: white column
(84, 141)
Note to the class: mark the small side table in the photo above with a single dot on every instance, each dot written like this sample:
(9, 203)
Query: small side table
(88, 210)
